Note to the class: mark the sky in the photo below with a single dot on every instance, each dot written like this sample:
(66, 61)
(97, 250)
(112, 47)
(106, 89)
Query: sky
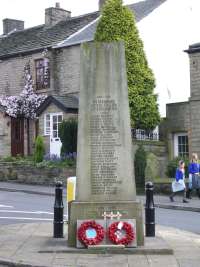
(168, 31)
(32, 11)
(166, 34)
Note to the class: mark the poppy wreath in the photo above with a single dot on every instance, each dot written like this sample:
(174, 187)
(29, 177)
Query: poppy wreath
(82, 237)
(127, 239)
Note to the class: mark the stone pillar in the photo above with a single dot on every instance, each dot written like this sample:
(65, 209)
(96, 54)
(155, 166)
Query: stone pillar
(105, 174)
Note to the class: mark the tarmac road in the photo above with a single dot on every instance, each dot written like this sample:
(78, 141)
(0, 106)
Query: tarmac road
(18, 207)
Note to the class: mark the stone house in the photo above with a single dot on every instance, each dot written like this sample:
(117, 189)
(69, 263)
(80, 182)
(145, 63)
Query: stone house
(53, 53)
(181, 126)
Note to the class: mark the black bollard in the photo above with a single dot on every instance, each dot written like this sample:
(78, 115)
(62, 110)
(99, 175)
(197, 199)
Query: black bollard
(58, 212)
(149, 211)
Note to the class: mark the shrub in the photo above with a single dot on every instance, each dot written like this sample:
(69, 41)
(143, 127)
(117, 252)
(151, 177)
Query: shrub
(68, 135)
(140, 163)
(152, 167)
(173, 165)
(39, 149)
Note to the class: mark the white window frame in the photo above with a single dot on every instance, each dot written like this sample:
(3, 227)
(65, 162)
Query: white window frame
(176, 135)
(47, 133)
(51, 121)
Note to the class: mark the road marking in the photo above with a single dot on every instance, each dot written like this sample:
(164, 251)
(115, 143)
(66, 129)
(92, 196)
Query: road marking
(23, 211)
(28, 212)
(6, 206)
(24, 218)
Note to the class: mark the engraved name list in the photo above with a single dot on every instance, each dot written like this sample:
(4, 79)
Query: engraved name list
(104, 143)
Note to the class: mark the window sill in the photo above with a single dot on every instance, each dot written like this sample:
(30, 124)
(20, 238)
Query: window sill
(38, 91)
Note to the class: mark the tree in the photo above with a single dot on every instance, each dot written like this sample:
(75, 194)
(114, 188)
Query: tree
(117, 23)
(27, 102)
(68, 135)
(39, 149)
(140, 163)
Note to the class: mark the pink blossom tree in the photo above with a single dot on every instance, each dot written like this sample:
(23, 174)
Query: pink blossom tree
(25, 104)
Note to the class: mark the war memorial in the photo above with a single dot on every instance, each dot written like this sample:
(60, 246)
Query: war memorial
(105, 175)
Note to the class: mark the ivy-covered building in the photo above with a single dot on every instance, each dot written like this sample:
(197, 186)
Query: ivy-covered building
(52, 51)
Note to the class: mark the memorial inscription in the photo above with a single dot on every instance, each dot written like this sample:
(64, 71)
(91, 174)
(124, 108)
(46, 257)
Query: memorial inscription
(104, 142)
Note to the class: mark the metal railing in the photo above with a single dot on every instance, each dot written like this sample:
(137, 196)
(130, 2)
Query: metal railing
(139, 134)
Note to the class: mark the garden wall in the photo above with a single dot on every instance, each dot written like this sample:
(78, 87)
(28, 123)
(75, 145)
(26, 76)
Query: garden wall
(33, 175)
(29, 174)
(157, 148)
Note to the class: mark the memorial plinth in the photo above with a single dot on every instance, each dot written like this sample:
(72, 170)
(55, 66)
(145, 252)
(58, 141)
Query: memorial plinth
(105, 175)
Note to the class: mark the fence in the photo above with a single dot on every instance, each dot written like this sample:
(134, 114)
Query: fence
(145, 135)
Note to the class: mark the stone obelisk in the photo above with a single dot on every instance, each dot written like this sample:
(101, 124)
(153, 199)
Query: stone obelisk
(105, 174)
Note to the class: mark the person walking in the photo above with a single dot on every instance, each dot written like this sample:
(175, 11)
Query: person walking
(179, 184)
(193, 170)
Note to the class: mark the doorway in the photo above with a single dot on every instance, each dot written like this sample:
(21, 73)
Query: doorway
(17, 136)
(55, 142)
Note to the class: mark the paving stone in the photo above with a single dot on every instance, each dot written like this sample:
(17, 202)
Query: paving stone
(103, 260)
(162, 260)
(23, 248)
(61, 259)
(189, 263)
(137, 261)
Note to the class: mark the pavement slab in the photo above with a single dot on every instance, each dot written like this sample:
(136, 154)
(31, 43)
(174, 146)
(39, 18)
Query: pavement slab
(165, 260)
(21, 248)
(137, 260)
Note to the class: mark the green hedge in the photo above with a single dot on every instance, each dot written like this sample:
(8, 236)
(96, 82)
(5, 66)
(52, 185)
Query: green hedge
(39, 149)
(68, 134)
(140, 163)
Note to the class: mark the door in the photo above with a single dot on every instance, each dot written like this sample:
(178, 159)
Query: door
(55, 143)
(17, 136)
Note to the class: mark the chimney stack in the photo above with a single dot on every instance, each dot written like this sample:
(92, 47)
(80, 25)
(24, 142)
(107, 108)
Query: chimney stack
(10, 25)
(101, 3)
(53, 15)
(57, 5)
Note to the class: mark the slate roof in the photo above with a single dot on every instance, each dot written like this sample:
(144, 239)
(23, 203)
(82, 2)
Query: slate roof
(67, 103)
(140, 10)
(40, 37)
(194, 48)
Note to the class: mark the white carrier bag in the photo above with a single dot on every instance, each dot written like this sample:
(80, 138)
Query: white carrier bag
(178, 186)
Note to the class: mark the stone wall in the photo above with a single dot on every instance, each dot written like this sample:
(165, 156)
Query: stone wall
(5, 135)
(194, 75)
(178, 117)
(178, 120)
(67, 73)
(64, 72)
(195, 126)
(159, 149)
(12, 73)
(31, 175)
